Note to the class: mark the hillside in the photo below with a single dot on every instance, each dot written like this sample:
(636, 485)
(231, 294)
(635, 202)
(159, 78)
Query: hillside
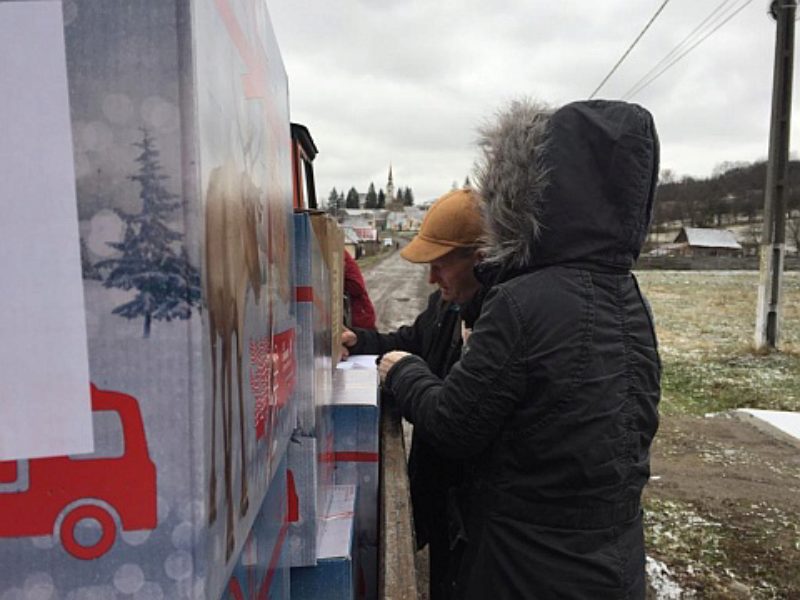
(732, 198)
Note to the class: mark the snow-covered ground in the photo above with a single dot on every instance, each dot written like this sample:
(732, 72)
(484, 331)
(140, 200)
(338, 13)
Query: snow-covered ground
(662, 581)
(786, 423)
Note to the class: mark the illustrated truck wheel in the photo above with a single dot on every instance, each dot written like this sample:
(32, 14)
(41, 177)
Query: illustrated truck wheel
(108, 531)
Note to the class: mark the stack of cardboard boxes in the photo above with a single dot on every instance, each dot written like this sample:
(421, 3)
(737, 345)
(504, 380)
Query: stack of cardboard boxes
(212, 333)
(310, 473)
(333, 456)
(355, 417)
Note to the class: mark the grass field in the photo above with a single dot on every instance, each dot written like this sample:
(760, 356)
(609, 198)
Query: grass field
(705, 322)
(722, 513)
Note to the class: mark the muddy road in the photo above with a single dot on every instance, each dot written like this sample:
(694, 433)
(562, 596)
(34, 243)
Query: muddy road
(398, 289)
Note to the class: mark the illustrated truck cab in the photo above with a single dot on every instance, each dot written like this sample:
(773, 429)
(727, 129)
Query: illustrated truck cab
(113, 488)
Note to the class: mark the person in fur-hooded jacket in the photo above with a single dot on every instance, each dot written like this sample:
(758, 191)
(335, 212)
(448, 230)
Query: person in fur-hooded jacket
(554, 403)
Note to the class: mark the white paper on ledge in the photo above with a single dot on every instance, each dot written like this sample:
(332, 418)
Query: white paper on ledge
(45, 403)
(359, 361)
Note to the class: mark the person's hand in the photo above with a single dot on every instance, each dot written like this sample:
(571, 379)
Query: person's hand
(349, 339)
(388, 360)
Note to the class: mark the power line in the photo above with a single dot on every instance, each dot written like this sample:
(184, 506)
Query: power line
(628, 51)
(639, 86)
(713, 22)
(713, 14)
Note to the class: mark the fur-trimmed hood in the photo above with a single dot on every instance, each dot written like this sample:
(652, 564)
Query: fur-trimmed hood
(573, 186)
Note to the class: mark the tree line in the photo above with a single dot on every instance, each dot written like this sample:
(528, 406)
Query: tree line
(733, 194)
(373, 200)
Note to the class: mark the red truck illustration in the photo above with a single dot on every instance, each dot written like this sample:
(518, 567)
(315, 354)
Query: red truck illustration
(115, 488)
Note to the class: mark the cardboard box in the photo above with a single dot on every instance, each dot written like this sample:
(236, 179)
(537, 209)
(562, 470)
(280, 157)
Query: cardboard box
(312, 443)
(180, 123)
(314, 325)
(262, 570)
(356, 443)
(335, 575)
(331, 239)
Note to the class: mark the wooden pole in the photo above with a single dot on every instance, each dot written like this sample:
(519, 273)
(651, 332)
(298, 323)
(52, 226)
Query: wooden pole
(773, 241)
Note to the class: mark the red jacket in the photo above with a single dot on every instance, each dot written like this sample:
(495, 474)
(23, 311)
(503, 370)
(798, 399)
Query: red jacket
(362, 313)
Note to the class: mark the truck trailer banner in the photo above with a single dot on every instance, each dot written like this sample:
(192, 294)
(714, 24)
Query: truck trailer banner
(45, 407)
(171, 187)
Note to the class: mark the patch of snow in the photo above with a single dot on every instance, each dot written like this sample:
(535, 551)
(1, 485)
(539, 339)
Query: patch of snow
(660, 578)
(787, 422)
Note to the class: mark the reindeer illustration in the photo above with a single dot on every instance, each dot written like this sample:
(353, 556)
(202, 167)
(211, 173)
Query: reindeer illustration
(233, 215)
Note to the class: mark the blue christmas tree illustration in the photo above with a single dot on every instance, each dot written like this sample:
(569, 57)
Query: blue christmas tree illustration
(153, 260)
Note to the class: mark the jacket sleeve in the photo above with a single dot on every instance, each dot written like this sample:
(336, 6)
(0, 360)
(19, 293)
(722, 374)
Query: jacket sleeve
(463, 413)
(409, 338)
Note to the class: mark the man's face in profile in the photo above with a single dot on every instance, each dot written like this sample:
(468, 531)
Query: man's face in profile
(454, 276)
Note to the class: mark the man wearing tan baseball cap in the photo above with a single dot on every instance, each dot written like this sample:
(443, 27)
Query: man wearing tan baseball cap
(448, 240)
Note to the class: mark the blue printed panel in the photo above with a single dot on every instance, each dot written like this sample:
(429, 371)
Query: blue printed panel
(356, 422)
(335, 576)
(262, 570)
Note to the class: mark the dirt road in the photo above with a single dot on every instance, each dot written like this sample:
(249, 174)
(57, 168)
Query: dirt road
(722, 508)
(398, 289)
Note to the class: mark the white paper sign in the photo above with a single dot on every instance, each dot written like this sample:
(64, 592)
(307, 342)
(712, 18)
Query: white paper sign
(45, 405)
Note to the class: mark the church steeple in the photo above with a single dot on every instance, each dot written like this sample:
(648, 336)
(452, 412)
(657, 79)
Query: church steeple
(390, 186)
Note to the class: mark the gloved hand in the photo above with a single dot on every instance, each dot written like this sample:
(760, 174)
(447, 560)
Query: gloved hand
(388, 360)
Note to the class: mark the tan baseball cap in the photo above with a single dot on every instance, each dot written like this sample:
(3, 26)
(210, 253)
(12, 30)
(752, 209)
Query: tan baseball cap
(453, 221)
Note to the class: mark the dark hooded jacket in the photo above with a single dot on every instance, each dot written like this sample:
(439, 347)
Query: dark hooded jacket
(553, 404)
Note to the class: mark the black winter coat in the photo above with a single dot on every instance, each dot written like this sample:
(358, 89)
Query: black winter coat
(554, 401)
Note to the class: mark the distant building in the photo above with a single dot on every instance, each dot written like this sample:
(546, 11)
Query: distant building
(351, 243)
(408, 219)
(357, 213)
(373, 217)
(394, 198)
(390, 187)
(361, 239)
(696, 241)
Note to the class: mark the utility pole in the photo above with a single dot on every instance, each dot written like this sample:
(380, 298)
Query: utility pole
(773, 240)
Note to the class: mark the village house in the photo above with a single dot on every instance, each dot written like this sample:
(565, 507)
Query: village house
(409, 219)
(697, 241)
(361, 238)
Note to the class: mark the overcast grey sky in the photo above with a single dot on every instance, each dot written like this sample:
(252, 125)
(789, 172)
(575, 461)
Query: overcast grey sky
(409, 81)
